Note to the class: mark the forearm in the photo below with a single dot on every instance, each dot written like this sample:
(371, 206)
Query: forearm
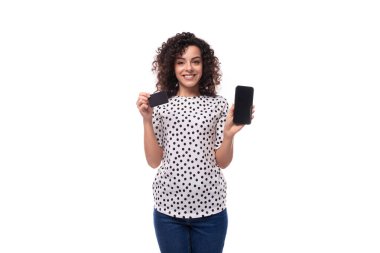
(224, 154)
(153, 152)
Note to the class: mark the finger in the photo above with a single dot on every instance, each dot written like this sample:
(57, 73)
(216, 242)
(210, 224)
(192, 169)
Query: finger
(143, 99)
(231, 110)
(143, 108)
(139, 102)
(253, 108)
(147, 106)
(144, 94)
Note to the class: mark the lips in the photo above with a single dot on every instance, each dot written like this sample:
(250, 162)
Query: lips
(188, 77)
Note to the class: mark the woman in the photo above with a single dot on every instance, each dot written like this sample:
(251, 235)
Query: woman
(191, 137)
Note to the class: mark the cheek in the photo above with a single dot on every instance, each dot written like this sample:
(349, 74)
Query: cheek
(200, 70)
(178, 69)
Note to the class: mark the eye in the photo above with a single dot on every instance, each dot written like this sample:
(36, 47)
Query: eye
(180, 62)
(197, 62)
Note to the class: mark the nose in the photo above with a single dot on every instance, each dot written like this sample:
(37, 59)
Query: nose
(189, 66)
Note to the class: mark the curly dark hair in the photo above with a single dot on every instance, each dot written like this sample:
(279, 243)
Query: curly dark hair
(175, 46)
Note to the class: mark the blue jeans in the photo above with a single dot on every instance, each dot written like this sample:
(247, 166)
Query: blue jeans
(194, 235)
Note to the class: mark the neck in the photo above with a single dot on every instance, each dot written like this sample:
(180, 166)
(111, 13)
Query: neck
(188, 92)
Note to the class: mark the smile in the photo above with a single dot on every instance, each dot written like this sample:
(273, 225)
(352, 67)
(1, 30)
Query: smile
(189, 77)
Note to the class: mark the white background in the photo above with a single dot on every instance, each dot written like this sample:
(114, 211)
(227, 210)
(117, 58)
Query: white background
(305, 174)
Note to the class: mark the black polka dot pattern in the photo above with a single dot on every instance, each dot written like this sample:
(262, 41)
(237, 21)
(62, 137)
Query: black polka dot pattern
(189, 184)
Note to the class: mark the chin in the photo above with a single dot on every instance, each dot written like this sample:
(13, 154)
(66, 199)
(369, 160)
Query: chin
(189, 84)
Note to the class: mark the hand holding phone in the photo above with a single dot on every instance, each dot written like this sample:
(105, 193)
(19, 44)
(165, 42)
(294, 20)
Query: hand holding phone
(243, 105)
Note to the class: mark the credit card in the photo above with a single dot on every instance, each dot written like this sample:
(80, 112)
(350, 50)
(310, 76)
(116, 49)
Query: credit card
(158, 98)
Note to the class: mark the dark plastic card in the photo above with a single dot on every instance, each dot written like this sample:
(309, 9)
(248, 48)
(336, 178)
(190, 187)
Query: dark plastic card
(243, 105)
(158, 98)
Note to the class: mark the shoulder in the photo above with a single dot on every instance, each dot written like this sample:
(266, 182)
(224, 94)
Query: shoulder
(220, 101)
(221, 98)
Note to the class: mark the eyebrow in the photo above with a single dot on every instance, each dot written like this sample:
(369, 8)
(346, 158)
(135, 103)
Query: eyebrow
(181, 58)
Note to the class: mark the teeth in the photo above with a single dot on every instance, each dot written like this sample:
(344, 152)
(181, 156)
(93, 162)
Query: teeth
(189, 76)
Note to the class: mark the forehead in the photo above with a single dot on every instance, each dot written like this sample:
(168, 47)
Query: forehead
(191, 51)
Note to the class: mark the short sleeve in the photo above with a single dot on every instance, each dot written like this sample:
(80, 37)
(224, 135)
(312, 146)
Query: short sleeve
(220, 123)
(157, 126)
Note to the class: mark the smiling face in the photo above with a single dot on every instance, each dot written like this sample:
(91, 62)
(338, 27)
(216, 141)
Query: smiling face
(188, 70)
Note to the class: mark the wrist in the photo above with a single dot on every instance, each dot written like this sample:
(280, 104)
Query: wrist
(228, 136)
(147, 121)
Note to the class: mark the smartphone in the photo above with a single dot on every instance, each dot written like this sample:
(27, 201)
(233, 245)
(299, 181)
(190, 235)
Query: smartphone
(158, 98)
(243, 105)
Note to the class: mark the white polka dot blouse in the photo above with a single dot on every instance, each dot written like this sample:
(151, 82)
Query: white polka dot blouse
(189, 183)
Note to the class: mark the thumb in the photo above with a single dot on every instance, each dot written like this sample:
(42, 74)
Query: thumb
(231, 110)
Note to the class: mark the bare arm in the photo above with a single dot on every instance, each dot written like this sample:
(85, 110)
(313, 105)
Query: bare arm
(153, 152)
(225, 153)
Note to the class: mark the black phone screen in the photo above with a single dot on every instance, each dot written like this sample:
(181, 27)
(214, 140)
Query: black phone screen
(243, 105)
